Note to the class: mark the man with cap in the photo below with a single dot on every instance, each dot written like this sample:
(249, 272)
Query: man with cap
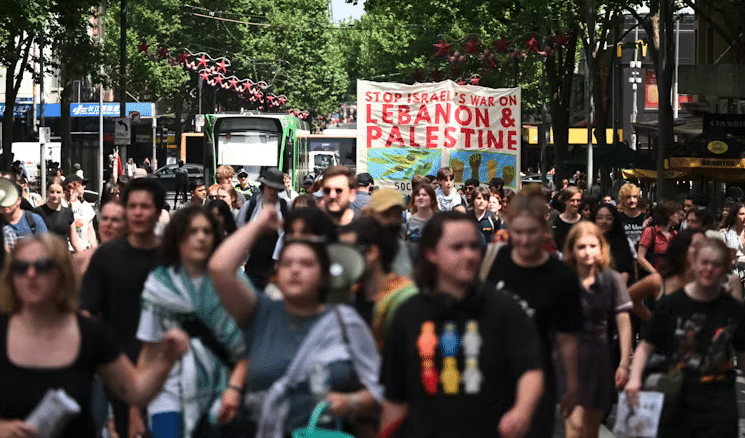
(364, 187)
(308, 182)
(243, 187)
(17, 222)
(261, 261)
(387, 207)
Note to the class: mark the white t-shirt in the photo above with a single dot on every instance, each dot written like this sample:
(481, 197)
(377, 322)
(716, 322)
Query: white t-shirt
(447, 202)
(83, 214)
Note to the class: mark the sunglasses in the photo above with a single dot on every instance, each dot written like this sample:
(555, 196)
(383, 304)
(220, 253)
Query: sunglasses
(327, 190)
(41, 266)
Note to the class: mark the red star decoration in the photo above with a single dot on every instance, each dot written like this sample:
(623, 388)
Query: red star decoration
(501, 45)
(561, 39)
(202, 62)
(183, 57)
(222, 66)
(443, 48)
(532, 45)
(163, 53)
(270, 98)
(205, 76)
(418, 75)
(282, 100)
(142, 47)
(493, 64)
(219, 78)
(472, 46)
(475, 80)
(233, 82)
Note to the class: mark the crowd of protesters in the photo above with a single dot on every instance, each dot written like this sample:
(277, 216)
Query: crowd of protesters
(474, 311)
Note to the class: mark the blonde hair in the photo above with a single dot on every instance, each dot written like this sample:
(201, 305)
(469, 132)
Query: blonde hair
(585, 228)
(224, 172)
(67, 296)
(628, 189)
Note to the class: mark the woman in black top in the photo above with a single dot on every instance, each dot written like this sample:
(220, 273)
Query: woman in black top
(571, 197)
(607, 219)
(59, 219)
(46, 344)
(698, 329)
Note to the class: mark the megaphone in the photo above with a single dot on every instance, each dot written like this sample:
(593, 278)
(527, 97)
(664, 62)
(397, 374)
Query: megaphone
(347, 267)
(10, 192)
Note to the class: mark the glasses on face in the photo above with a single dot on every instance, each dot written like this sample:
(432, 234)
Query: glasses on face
(327, 190)
(210, 197)
(41, 266)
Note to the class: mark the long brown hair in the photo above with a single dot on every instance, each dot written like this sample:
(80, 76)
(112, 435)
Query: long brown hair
(586, 228)
(432, 197)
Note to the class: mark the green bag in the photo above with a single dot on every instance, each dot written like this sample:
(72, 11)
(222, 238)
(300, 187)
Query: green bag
(312, 432)
(671, 385)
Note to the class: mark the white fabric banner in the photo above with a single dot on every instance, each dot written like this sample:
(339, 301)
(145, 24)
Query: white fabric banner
(406, 130)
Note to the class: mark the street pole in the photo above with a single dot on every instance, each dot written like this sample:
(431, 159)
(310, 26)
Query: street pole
(123, 60)
(42, 138)
(589, 51)
(663, 87)
(677, 59)
(101, 30)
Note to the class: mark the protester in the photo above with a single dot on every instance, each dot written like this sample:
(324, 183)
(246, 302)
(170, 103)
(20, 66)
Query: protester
(733, 230)
(58, 219)
(698, 329)
(82, 212)
(487, 221)
(632, 215)
(622, 252)
(500, 365)
(233, 200)
(386, 207)
(288, 193)
(298, 341)
(20, 223)
(674, 273)
(111, 226)
(198, 192)
(46, 344)
(217, 191)
(338, 187)
(303, 201)
(586, 208)
(381, 289)
(495, 206)
(365, 185)
(113, 282)
(261, 261)
(225, 218)
(656, 238)
(224, 175)
(243, 186)
(180, 293)
(422, 207)
(571, 198)
(447, 197)
(309, 223)
(604, 296)
(550, 292)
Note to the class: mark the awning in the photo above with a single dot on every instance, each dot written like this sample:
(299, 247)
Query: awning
(649, 175)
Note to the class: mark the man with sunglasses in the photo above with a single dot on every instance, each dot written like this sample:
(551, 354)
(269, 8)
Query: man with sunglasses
(115, 277)
(339, 191)
(447, 197)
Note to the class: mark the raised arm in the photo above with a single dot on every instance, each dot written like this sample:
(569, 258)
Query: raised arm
(648, 286)
(236, 295)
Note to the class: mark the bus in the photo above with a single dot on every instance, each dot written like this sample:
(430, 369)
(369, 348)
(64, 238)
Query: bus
(333, 147)
(255, 142)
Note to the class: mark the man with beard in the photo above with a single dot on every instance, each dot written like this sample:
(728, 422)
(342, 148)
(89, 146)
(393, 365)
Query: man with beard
(338, 189)
(381, 289)
(387, 207)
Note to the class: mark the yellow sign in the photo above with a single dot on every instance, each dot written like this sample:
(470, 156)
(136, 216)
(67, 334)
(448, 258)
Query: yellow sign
(711, 163)
(717, 147)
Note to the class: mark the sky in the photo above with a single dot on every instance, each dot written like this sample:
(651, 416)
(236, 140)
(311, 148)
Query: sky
(342, 10)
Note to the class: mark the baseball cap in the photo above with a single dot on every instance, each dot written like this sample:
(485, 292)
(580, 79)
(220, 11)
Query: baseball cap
(242, 172)
(364, 179)
(384, 199)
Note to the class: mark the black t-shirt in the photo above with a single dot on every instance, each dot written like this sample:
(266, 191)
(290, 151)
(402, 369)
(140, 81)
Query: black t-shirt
(623, 259)
(561, 230)
(510, 347)
(112, 286)
(22, 388)
(57, 221)
(633, 227)
(551, 292)
(698, 335)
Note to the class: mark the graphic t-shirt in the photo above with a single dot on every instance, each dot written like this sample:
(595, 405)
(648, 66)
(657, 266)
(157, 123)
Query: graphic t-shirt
(83, 214)
(700, 336)
(633, 227)
(448, 202)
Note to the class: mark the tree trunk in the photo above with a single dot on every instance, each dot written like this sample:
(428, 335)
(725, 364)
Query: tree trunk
(559, 74)
(8, 119)
(66, 150)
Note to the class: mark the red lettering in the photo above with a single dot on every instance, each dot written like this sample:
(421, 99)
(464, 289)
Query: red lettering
(459, 111)
(481, 139)
(442, 114)
(388, 97)
(431, 136)
(372, 96)
(462, 99)
(373, 133)
(491, 100)
(513, 100)
(468, 132)
(511, 140)
(398, 96)
(412, 138)
(482, 117)
(387, 113)
(394, 137)
(369, 116)
(422, 115)
(492, 142)
(444, 96)
(504, 100)
(404, 118)
(451, 141)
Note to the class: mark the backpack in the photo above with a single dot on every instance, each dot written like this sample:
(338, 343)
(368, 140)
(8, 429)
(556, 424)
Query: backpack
(252, 206)
(30, 220)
